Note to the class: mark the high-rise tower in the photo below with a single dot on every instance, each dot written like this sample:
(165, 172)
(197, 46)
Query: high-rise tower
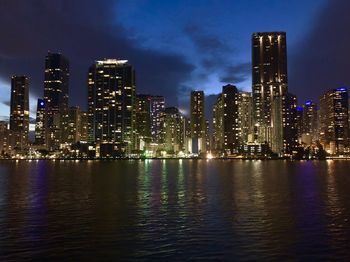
(19, 116)
(111, 103)
(198, 128)
(270, 85)
(56, 100)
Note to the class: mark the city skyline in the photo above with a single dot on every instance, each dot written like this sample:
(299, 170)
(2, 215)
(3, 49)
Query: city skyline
(181, 63)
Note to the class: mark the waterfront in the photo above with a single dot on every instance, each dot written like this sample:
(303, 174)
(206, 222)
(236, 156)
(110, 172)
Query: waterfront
(174, 209)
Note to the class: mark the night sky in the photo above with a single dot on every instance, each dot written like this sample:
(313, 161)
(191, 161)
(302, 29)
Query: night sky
(175, 46)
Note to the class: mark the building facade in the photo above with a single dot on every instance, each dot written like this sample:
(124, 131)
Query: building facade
(19, 112)
(111, 104)
(270, 85)
(334, 121)
(198, 127)
(56, 96)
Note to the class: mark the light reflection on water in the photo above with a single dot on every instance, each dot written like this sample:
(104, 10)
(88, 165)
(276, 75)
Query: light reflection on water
(183, 209)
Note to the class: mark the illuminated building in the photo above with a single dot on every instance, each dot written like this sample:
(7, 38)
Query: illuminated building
(39, 123)
(218, 125)
(84, 126)
(270, 84)
(4, 139)
(245, 112)
(111, 104)
(74, 124)
(143, 120)
(56, 100)
(226, 122)
(309, 127)
(198, 128)
(289, 123)
(173, 130)
(157, 107)
(334, 120)
(19, 112)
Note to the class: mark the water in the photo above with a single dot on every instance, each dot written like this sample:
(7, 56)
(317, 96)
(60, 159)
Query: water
(174, 209)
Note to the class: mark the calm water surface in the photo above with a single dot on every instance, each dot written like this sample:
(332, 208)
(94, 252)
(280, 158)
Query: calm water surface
(175, 209)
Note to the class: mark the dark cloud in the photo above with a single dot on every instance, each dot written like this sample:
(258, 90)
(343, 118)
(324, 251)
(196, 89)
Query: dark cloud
(236, 73)
(212, 49)
(321, 60)
(84, 31)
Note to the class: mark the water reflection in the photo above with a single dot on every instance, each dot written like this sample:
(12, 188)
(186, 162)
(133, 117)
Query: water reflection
(159, 209)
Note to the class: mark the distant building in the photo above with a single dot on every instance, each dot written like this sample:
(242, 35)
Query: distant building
(198, 128)
(310, 128)
(334, 120)
(56, 100)
(270, 85)
(19, 112)
(39, 123)
(173, 130)
(74, 125)
(157, 108)
(111, 102)
(289, 123)
(5, 147)
(84, 132)
(245, 112)
(218, 125)
(143, 122)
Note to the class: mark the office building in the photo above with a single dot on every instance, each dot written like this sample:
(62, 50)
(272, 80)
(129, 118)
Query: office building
(19, 112)
(334, 121)
(270, 84)
(198, 128)
(40, 123)
(157, 108)
(111, 104)
(56, 100)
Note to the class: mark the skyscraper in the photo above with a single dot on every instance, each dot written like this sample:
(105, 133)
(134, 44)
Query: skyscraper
(198, 137)
(245, 111)
(334, 120)
(157, 108)
(40, 123)
(270, 84)
(218, 125)
(143, 120)
(173, 130)
(309, 123)
(74, 125)
(19, 116)
(56, 100)
(111, 103)
(231, 125)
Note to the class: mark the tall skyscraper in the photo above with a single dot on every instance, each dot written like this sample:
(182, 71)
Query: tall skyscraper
(19, 115)
(40, 123)
(289, 123)
(231, 127)
(309, 126)
(218, 125)
(227, 121)
(157, 108)
(245, 113)
(334, 120)
(198, 137)
(56, 100)
(143, 120)
(111, 103)
(173, 130)
(270, 84)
